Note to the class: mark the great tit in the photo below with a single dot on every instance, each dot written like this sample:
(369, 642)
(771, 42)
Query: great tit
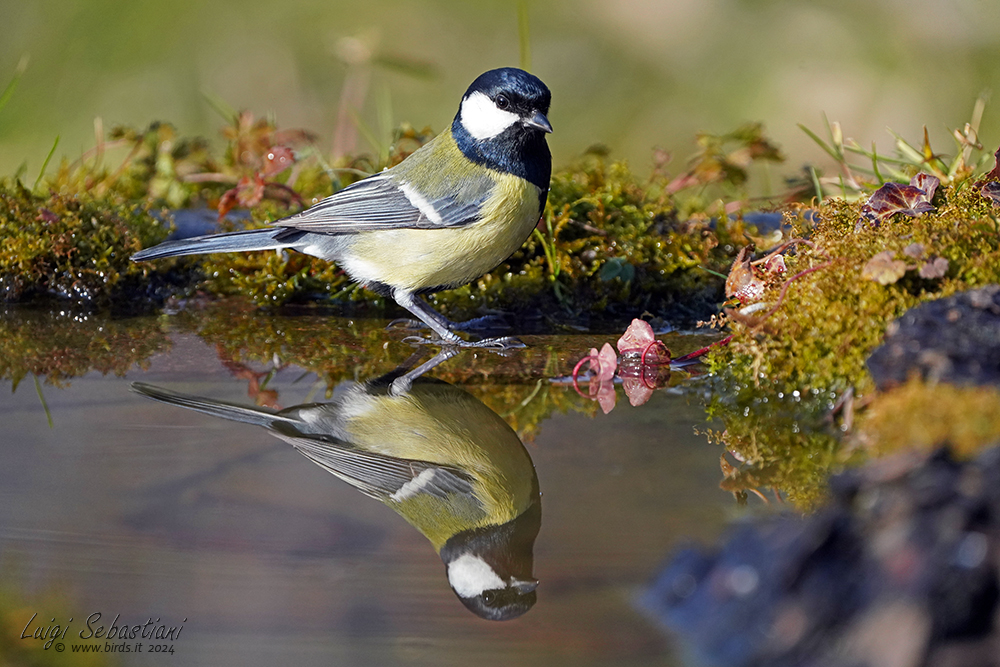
(437, 456)
(453, 210)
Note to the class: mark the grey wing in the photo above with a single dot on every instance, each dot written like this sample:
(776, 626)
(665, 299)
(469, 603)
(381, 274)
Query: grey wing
(381, 476)
(384, 202)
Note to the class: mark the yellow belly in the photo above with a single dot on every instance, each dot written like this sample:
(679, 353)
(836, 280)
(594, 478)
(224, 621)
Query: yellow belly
(418, 259)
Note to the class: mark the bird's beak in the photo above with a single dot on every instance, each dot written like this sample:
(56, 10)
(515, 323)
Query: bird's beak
(539, 122)
(524, 586)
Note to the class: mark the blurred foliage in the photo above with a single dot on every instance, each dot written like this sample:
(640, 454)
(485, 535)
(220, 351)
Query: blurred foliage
(15, 614)
(59, 346)
(925, 415)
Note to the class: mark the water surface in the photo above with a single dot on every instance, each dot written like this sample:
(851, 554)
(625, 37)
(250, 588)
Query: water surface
(130, 507)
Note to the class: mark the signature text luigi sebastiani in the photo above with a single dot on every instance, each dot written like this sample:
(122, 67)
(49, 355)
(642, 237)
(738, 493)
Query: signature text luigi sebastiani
(156, 632)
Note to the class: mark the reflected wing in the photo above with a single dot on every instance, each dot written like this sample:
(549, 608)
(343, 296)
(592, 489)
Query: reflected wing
(383, 202)
(384, 477)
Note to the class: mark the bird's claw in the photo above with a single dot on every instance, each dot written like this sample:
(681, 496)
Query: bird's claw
(501, 343)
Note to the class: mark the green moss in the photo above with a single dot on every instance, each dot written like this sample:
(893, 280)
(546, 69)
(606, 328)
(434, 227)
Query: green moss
(815, 344)
(831, 319)
(72, 247)
(926, 416)
(777, 441)
(58, 346)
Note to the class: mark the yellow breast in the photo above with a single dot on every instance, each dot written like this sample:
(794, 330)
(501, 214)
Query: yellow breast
(420, 259)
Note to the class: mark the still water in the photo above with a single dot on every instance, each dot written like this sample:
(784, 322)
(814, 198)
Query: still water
(147, 511)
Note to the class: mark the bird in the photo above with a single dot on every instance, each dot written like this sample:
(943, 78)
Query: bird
(435, 454)
(450, 212)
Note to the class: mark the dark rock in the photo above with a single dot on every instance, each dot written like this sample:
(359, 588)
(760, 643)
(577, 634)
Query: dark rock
(955, 339)
(900, 568)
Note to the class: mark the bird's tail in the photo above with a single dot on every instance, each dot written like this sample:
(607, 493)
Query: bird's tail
(208, 406)
(242, 241)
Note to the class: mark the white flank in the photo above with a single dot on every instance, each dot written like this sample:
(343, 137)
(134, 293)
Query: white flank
(481, 118)
(469, 576)
(414, 486)
(420, 203)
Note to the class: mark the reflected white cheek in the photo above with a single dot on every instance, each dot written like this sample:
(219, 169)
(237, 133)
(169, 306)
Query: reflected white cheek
(470, 575)
(481, 118)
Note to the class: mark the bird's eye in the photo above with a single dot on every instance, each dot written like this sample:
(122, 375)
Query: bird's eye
(488, 596)
(502, 102)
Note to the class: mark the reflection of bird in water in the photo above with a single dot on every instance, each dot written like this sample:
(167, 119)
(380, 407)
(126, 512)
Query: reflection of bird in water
(436, 455)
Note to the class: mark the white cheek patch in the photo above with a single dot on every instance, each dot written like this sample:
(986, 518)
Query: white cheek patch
(481, 118)
(470, 575)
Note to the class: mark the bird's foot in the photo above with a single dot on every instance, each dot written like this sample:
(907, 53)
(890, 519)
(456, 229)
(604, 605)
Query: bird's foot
(498, 344)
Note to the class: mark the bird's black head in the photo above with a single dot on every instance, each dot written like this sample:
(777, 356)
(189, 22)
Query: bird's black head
(502, 123)
(489, 568)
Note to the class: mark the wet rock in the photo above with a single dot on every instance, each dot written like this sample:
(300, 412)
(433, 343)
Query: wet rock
(955, 339)
(900, 569)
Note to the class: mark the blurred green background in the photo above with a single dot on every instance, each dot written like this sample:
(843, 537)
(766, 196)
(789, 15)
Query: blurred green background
(631, 74)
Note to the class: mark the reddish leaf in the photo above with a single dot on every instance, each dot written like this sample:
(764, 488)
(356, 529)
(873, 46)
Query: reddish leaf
(226, 202)
(603, 391)
(913, 200)
(636, 338)
(602, 383)
(607, 361)
(927, 183)
(639, 341)
(994, 174)
(991, 191)
(741, 282)
(277, 159)
(637, 390)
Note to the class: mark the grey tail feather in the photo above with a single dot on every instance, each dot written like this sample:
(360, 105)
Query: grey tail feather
(230, 411)
(242, 241)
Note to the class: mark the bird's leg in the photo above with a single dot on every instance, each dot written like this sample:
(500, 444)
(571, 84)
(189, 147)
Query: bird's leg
(444, 327)
(402, 384)
(438, 323)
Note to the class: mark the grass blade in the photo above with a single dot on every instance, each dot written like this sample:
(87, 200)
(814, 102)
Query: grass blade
(822, 144)
(45, 164)
(816, 183)
(41, 397)
(8, 92)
